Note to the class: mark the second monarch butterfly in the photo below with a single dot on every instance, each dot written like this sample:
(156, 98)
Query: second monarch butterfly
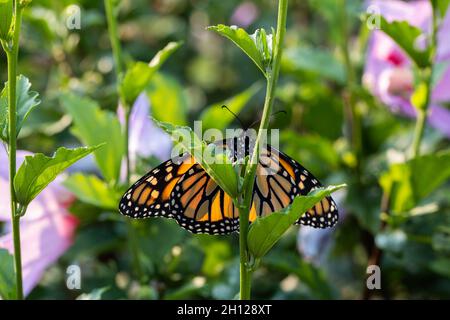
(181, 189)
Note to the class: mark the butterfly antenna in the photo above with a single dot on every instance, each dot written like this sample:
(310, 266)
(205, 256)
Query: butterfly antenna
(273, 114)
(235, 116)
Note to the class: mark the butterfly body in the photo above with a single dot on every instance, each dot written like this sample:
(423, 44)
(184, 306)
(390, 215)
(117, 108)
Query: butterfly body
(182, 190)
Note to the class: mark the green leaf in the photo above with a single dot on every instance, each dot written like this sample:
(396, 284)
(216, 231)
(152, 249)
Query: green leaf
(7, 275)
(6, 15)
(217, 165)
(410, 182)
(38, 170)
(317, 61)
(26, 101)
(163, 54)
(441, 266)
(243, 40)
(310, 275)
(94, 126)
(318, 154)
(139, 75)
(215, 117)
(136, 79)
(265, 232)
(441, 239)
(440, 7)
(92, 190)
(168, 101)
(405, 35)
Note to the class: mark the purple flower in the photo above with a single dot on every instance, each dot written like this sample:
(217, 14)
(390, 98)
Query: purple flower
(47, 229)
(313, 244)
(145, 139)
(245, 14)
(388, 72)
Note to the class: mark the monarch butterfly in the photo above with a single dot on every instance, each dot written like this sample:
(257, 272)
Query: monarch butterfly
(181, 189)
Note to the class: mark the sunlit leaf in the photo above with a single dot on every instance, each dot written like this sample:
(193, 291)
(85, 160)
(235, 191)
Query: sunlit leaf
(266, 231)
(94, 126)
(243, 40)
(167, 99)
(26, 101)
(38, 170)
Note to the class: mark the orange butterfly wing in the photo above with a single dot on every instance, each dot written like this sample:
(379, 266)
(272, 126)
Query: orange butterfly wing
(183, 191)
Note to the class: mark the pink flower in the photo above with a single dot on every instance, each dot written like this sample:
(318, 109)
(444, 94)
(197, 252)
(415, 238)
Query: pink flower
(47, 229)
(388, 72)
(245, 14)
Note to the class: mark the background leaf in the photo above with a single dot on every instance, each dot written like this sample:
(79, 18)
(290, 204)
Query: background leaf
(266, 231)
(410, 182)
(216, 117)
(7, 275)
(6, 15)
(94, 126)
(95, 294)
(167, 99)
(317, 61)
(38, 170)
(139, 75)
(440, 6)
(92, 190)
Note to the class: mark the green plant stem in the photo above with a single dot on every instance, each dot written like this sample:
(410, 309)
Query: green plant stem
(245, 202)
(427, 76)
(118, 62)
(127, 144)
(352, 115)
(12, 53)
(114, 36)
(418, 132)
